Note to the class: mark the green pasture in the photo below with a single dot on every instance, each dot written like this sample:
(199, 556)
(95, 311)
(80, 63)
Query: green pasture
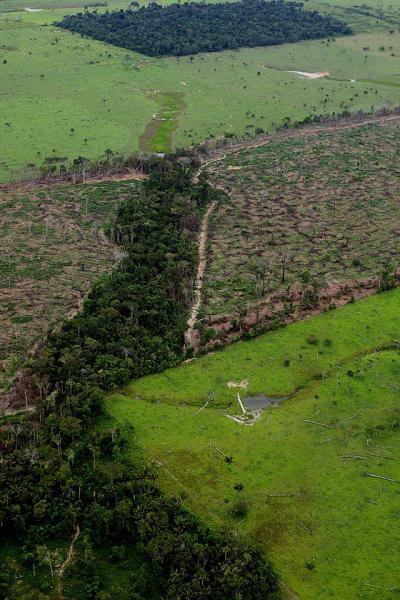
(316, 480)
(282, 361)
(63, 95)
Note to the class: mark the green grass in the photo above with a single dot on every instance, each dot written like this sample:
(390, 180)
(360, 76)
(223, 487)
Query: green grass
(106, 94)
(157, 137)
(354, 329)
(331, 530)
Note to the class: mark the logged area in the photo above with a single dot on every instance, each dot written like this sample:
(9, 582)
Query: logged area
(179, 30)
(52, 249)
(311, 218)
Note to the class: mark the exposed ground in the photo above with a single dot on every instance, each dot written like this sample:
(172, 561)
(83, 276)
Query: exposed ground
(52, 249)
(313, 208)
(316, 479)
(201, 269)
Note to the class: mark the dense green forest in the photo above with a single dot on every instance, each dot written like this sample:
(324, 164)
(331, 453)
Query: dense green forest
(63, 471)
(182, 29)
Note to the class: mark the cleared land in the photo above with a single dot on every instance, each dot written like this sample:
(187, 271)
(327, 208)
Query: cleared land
(316, 479)
(52, 249)
(113, 98)
(314, 208)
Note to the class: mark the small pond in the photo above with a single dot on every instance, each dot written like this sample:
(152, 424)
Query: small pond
(262, 401)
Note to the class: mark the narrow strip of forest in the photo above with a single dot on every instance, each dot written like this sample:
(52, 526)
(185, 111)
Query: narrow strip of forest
(64, 473)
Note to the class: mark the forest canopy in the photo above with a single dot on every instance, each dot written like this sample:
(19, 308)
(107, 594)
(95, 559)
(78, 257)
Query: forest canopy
(64, 470)
(190, 28)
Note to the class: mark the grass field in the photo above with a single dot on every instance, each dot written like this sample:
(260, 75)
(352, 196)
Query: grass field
(52, 249)
(321, 203)
(111, 98)
(316, 479)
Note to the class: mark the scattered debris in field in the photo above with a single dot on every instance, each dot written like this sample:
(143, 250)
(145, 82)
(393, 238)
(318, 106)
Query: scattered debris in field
(307, 75)
(247, 419)
(381, 477)
(241, 384)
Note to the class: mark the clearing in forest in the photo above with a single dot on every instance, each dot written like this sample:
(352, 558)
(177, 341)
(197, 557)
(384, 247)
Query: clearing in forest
(52, 249)
(312, 214)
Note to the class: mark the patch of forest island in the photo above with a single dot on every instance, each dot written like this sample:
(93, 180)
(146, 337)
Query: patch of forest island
(190, 28)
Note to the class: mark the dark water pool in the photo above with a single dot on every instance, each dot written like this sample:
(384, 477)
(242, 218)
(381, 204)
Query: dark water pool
(262, 401)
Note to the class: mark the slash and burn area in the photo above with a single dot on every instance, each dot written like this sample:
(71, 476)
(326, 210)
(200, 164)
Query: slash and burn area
(310, 217)
(52, 249)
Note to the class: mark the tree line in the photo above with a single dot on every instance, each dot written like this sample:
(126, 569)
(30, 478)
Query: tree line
(64, 471)
(190, 28)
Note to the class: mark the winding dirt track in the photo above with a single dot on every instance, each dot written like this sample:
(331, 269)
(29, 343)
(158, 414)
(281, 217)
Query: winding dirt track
(213, 157)
(203, 236)
(67, 562)
(219, 155)
(70, 552)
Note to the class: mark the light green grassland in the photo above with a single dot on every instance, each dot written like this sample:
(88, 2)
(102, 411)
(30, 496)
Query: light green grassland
(331, 530)
(351, 330)
(53, 82)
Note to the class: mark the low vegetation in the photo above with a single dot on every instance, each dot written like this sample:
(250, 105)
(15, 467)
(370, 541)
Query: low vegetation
(315, 479)
(190, 28)
(109, 96)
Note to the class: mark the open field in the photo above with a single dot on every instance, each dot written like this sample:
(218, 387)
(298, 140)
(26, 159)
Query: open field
(52, 249)
(112, 98)
(363, 16)
(314, 207)
(300, 480)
